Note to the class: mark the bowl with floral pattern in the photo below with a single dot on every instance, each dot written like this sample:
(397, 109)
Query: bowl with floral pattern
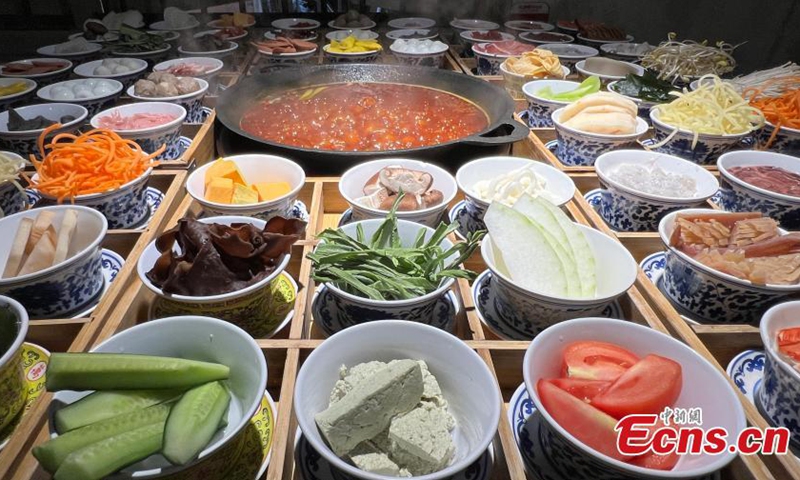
(577, 148)
(248, 308)
(68, 286)
(629, 208)
(25, 142)
(192, 101)
(786, 140)
(700, 148)
(149, 138)
(540, 109)
(703, 387)
(557, 187)
(615, 270)
(712, 296)
(779, 392)
(737, 195)
(12, 197)
(418, 309)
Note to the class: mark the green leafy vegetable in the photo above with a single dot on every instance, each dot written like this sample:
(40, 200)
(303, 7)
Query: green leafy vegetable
(590, 85)
(132, 40)
(646, 87)
(381, 268)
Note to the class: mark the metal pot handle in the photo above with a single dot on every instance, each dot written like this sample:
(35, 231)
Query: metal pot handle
(507, 132)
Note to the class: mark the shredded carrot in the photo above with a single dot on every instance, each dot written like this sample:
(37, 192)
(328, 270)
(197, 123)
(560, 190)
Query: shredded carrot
(782, 110)
(94, 162)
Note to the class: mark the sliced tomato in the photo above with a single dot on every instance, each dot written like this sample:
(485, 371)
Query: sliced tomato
(654, 460)
(791, 351)
(583, 421)
(649, 386)
(789, 336)
(581, 388)
(592, 360)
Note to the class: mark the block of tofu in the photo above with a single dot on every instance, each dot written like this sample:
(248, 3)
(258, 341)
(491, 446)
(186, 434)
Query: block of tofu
(369, 407)
(368, 458)
(242, 195)
(219, 190)
(421, 440)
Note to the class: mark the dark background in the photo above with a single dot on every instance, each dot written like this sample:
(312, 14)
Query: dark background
(767, 30)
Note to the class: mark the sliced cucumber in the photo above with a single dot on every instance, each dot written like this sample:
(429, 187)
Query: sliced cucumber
(102, 405)
(193, 421)
(109, 455)
(52, 453)
(112, 371)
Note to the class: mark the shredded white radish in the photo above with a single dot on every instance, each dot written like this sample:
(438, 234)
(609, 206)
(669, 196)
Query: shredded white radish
(774, 81)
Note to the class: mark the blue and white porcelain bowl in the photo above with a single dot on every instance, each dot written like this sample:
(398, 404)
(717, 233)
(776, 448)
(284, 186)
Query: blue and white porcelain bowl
(469, 40)
(431, 59)
(709, 295)
(24, 142)
(221, 54)
(787, 140)
(779, 394)
(92, 104)
(351, 187)
(124, 207)
(704, 387)
(249, 308)
(419, 309)
(151, 56)
(605, 79)
(615, 270)
(16, 98)
(736, 195)
(152, 138)
(192, 102)
(69, 286)
(514, 82)
(127, 79)
(43, 78)
(705, 152)
(471, 391)
(92, 50)
(632, 210)
(12, 199)
(581, 149)
(255, 168)
(212, 65)
(559, 187)
(540, 110)
(344, 57)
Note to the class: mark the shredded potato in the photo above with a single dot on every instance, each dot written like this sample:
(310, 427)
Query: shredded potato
(673, 60)
(715, 108)
(9, 171)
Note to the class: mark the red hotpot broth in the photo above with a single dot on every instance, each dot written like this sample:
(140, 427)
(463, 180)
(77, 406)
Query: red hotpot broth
(364, 117)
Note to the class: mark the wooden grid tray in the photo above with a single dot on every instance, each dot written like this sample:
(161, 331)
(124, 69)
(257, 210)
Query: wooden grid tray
(287, 351)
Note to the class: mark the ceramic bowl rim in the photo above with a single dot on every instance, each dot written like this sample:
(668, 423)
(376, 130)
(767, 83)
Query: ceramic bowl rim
(141, 55)
(95, 196)
(564, 71)
(440, 291)
(580, 67)
(83, 66)
(665, 126)
(186, 96)
(490, 25)
(30, 85)
(479, 53)
(426, 330)
(583, 56)
(487, 259)
(249, 207)
(326, 49)
(769, 342)
(222, 296)
(628, 39)
(510, 24)
(622, 325)
(723, 171)
(35, 133)
(276, 23)
(78, 101)
(467, 35)
(60, 267)
(531, 97)
(141, 131)
(67, 67)
(22, 331)
(218, 64)
(382, 162)
(469, 192)
(522, 36)
(746, 284)
(700, 171)
(45, 50)
(611, 87)
(231, 47)
(437, 53)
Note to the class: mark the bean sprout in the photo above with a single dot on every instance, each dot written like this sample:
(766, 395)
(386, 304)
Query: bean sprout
(673, 60)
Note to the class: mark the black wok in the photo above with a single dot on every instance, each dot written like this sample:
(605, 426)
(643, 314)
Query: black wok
(495, 139)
